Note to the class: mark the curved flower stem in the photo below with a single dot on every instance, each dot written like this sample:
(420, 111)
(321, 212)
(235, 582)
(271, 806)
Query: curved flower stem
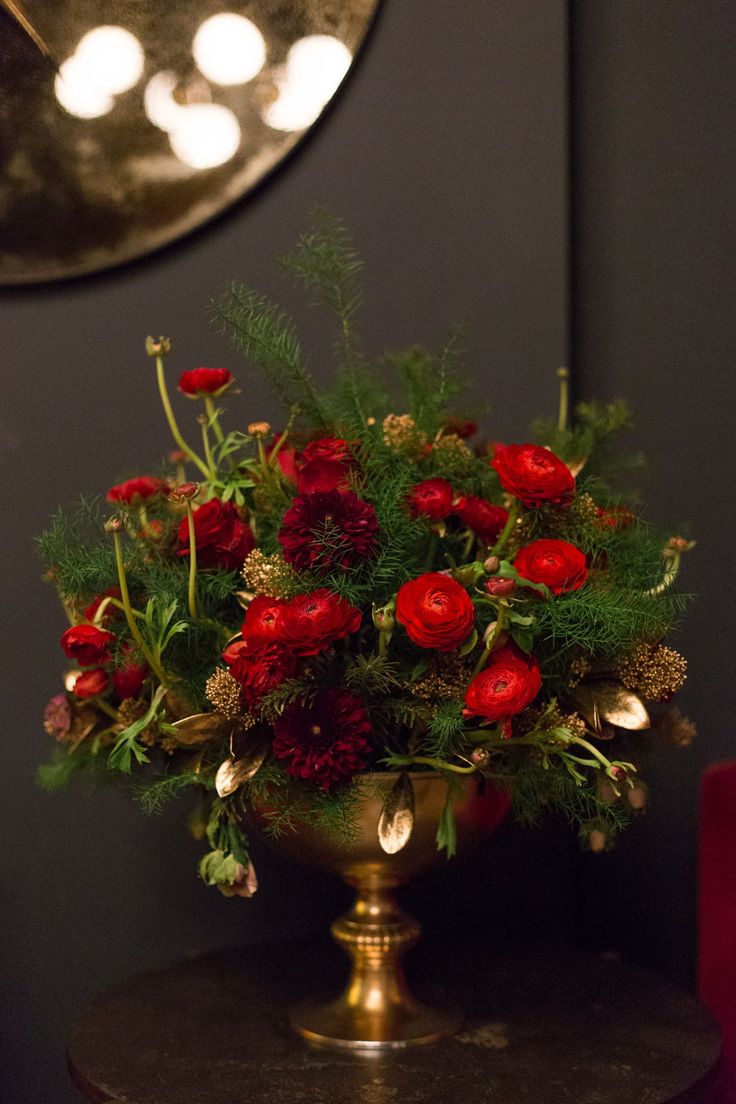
(118, 605)
(192, 589)
(213, 418)
(211, 465)
(103, 705)
(431, 551)
(175, 431)
(491, 642)
(563, 375)
(438, 764)
(507, 529)
(129, 614)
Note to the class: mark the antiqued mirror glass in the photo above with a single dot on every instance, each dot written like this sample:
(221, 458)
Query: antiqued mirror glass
(124, 126)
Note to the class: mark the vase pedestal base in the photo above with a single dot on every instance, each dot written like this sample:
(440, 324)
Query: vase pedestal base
(338, 1025)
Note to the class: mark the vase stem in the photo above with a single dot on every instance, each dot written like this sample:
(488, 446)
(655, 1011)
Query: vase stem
(376, 1010)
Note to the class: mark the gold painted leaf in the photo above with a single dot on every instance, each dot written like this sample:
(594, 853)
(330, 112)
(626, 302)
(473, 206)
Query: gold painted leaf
(232, 773)
(604, 700)
(200, 728)
(396, 822)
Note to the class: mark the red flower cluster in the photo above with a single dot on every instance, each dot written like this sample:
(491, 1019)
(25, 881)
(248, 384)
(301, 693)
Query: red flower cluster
(133, 492)
(204, 381)
(556, 563)
(435, 611)
(259, 667)
(533, 474)
(436, 500)
(91, 646)
(324, 741)
(222, 538)
(328, 530)
(88, 644)
(324, 465)
(509, 683)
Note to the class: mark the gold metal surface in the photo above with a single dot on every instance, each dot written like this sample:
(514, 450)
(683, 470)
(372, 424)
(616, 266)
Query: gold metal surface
(606, 700)
(98, 168)
(376, 1011)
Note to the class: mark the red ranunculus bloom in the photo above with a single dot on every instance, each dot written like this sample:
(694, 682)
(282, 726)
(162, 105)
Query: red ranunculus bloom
(485, 519)
(533, 474)
(264, 620)
(509, 683)
(259, 668)
(204, 381)
(324, 465)
(90, 684)
(110, 611)
(88, 644)
(328, 530)
(129, 677)
(223, 539)
(135, 491)
(326, 741)
(556, 563)
(432, 498)
(435, 611)
(285, 458)
(314, 621)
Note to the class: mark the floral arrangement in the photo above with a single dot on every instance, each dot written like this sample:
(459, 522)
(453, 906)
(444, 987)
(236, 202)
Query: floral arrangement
(279, 615)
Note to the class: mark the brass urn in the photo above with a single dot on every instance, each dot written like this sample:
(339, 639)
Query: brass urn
(376, 1010)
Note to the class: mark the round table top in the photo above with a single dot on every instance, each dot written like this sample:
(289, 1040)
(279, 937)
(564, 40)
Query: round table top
(555, 1026)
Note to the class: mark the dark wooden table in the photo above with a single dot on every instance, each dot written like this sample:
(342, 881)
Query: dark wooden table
(552, 1027)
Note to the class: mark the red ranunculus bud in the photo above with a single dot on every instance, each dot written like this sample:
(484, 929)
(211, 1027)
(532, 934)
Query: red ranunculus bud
(509, 683)
(90, 684)
(432, 498)
(533, 474)
(485, 519)
(435, 611)
(264, 620)
(135, 491)
(88, 644)
(499, 587)
(222, 538)
(204, 381)
(128, 679)
(614, 517)
(556, 563)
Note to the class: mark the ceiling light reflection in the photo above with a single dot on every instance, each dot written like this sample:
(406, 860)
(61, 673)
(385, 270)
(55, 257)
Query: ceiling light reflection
(77, 93)
(314, 68)
(159, 103)
(229, 49)
(205, 135)
(114, 56)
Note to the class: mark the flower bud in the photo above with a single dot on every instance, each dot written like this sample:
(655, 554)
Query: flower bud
(184, 492)
(491, 565)
(116, 524)
(177, 456)
(158, 346)
(383, 617)
(259, 429)
(597, 840)
(637, 796)
(499, 588)
(464, 575)
(480, 756)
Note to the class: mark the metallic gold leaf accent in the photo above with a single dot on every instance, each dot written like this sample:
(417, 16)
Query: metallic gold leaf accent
(603, 700)
(232, 773)
(177, 705)
(200, 728)
(396, 822)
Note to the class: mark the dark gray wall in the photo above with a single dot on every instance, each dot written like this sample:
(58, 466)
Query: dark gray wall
(654, 308)
(447, 156)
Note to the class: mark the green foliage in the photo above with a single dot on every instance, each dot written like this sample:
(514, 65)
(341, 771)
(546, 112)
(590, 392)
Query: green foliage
(295, 804)
(430, 380)
(77, 553)
(126, 747)
(535, 790)
(65, 765)
(446, 733)
(153, 796)
(266, 335)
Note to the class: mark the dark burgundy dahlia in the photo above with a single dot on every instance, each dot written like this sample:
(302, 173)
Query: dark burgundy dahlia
(325, 741)
(327, 530)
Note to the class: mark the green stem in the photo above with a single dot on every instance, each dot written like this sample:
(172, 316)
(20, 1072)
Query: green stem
(213, 417)
(563, 375)
(129, 615)
(438, 764)
(491, 642)
(507, 529)
(175, 431)
(192, 590)
(211, 465)
(103, 705)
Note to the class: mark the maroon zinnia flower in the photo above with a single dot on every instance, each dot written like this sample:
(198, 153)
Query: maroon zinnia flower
(324, 742)
(327, 530)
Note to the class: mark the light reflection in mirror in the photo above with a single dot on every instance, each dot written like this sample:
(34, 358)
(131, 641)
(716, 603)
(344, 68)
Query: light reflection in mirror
(315, 66)
(229, 49)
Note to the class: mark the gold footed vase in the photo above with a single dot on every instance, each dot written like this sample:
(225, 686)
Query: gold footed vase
(376, 1011)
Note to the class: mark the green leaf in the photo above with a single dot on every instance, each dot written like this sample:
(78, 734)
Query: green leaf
(508, 571)
(447, 829)
(126, 746)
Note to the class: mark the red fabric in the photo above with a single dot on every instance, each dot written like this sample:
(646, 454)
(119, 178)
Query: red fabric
(717, 914)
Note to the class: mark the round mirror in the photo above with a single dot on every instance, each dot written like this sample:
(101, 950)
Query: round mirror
(124, 126)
